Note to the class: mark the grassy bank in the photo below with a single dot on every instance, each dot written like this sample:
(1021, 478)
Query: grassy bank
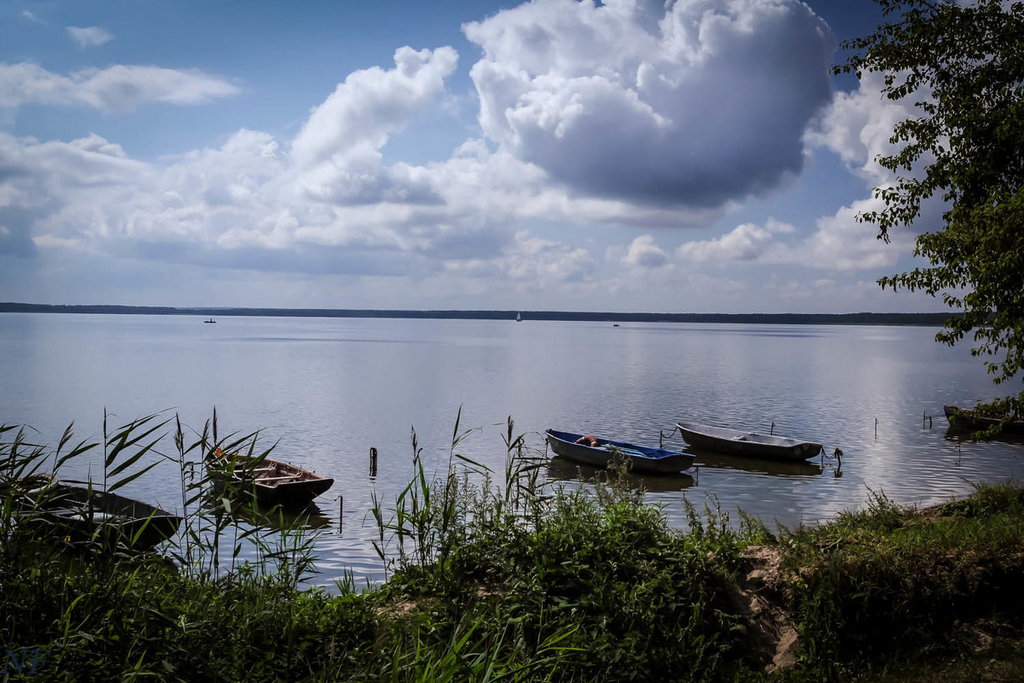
(495, 577)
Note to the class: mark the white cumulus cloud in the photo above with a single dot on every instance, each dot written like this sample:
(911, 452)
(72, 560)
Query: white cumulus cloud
(746, 242)
(858, 126)
(339, 146)
(643, 252)
(89, 36)
(120, 87)
(691, 103)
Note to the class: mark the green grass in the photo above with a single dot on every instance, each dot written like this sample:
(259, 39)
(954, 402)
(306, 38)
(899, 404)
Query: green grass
(887, 583)
(493, 576)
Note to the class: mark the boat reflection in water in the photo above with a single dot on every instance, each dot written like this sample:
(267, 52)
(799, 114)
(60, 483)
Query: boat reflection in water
(966, 435)
(781, 468)
(277, 518)
(563, 470)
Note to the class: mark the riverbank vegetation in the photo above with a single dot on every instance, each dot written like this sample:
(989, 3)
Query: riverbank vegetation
(499, 577)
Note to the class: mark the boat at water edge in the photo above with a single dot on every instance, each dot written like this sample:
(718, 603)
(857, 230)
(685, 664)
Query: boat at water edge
(962, 418)
(750, 444)
(272, 482)
(601, 452)
(82, 514)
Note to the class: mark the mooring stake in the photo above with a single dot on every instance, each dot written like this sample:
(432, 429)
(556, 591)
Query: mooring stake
(373, 461)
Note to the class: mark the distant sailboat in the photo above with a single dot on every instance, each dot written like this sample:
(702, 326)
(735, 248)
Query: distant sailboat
(519, 317)
(211, 320)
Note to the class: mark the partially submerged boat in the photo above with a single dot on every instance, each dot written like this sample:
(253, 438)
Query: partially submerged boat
(81, 514)
(962, 418)
(750, 444)
(600, 452)
(272, 482)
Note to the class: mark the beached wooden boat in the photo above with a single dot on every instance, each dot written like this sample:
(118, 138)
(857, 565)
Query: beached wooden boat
(643, 460)
(963, 419)
(272, 482)
(80, 514)
(750, 444)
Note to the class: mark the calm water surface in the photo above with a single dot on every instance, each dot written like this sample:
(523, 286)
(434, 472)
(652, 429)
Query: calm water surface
(330, 389)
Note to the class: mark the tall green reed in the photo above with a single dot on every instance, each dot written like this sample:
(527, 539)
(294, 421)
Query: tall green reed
(434, 513)
(216, 513)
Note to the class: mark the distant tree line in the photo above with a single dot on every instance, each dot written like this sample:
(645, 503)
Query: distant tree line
(926, 319)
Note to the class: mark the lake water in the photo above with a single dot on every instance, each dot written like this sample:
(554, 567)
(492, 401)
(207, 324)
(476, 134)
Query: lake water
(331, 388)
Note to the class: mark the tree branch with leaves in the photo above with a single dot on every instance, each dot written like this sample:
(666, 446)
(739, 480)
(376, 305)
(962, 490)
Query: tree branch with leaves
(962, 66)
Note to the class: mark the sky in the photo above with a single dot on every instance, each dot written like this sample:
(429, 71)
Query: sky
(687, 156)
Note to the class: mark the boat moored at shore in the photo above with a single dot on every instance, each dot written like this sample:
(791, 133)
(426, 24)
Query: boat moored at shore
(750, 444)
(600, 452)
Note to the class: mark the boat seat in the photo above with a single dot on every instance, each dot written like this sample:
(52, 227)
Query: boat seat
(287, 476)
(257, 472)
(64, 511)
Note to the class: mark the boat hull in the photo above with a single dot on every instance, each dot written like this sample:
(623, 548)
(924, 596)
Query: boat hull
(80, 515)
(748, 444)
(272, 482)
(961, 419)
(643, 460)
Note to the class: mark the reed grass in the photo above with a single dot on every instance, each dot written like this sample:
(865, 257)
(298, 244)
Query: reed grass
(497, 576)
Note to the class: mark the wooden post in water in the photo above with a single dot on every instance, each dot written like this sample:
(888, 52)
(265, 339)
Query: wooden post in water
(772, 430)
(341, 514)
(876, 429)
(373, 461)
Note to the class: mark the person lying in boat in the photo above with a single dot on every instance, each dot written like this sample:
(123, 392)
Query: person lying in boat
(588, 440)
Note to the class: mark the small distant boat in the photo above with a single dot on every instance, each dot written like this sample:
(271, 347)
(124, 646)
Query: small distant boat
(272, 482)
(963, 419)
(84, 515)
(643, 460)
(519, 317)
(210, 320)
(751, 444)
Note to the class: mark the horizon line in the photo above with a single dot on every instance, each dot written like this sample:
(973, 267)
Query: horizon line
(859, 317)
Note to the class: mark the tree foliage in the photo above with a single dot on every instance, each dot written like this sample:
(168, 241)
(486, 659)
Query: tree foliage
(962, 65)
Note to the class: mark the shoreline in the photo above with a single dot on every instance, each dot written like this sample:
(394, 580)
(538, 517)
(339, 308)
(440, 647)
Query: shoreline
(860, 318)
